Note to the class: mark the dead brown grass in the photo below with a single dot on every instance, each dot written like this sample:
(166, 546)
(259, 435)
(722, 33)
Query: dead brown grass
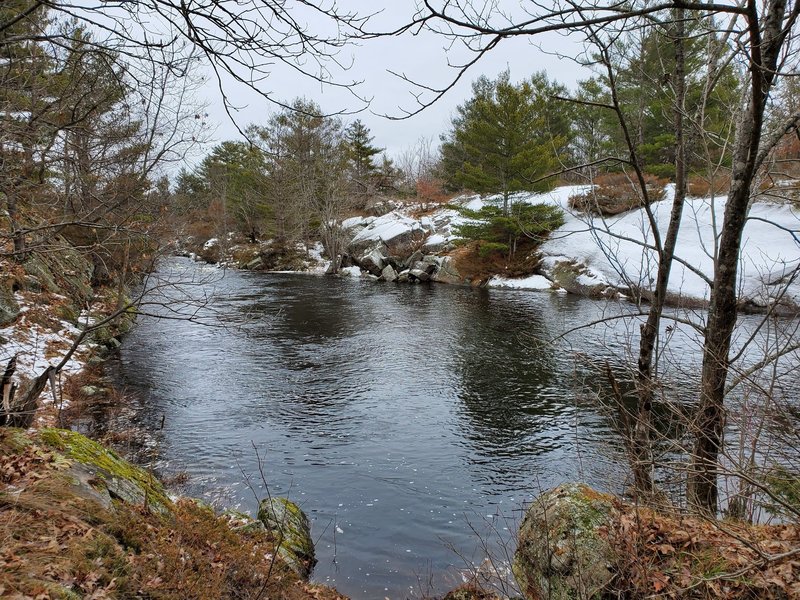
(676, 556)
(702, 187)
(58, 543)
(478, 268)
(616, 193)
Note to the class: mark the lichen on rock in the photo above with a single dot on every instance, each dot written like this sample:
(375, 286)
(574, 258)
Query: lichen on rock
(563, 552)
(124, 481)
(292, 532)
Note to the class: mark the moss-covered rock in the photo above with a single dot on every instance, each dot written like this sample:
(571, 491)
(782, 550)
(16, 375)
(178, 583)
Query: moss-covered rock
(124, 481)
(563, 552)
(292, 532)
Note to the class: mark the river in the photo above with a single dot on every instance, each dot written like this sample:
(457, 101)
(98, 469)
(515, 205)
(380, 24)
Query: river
(411, 422)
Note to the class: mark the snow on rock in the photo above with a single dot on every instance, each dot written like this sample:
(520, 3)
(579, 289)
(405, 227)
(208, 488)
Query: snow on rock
(210, 243)
(350, 272)
(598, 255)
(37, 347)
(387, 228)
(318, 265)
(534, 282)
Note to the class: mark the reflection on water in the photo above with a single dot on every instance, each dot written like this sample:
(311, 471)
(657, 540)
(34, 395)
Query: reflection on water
(395, 415)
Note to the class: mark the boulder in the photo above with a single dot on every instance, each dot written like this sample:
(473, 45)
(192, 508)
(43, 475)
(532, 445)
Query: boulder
(577, 278)
(562, 551)
(447, 273)
(373, 262)
(419, 274)
(414, 258)
(393, 231)
(289, 524)
(255, 264)
(109, 473)
(425, 266)
(437, 243)
(403, 276)
(398, 264)
(388, 274)
(349, 272)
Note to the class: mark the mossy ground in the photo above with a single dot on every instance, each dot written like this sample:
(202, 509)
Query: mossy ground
(59, 543)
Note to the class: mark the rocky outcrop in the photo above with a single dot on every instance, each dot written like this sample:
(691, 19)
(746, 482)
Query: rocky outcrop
(81, 522)
(390, 249)
(392, 234)
(289, 525)
(576, 278)
(101, 474)
(563, 552)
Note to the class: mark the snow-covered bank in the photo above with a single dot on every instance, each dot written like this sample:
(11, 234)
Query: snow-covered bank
(616, 253)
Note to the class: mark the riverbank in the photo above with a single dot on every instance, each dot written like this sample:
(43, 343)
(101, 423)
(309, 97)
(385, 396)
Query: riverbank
(81, 522)
(589, 255)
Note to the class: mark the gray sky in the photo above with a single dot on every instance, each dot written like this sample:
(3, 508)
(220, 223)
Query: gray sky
(423, 58)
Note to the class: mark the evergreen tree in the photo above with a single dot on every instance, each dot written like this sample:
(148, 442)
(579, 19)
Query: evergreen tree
(306, 173)
(644, 69)
(234, 173)
(360, 150)
(505, 139)
(26, 112)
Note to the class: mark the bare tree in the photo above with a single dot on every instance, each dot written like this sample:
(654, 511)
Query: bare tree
(765, 39)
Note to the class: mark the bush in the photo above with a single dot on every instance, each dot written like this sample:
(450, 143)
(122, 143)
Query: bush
(615, 193)
(701, 187)
(500, 232)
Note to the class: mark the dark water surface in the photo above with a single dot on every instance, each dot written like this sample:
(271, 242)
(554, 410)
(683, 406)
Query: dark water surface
(400, 417)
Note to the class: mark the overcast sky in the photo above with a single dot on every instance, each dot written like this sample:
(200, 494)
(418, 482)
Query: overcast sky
(423, 58)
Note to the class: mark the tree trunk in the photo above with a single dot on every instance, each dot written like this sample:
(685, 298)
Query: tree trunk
(641, 444)
(765, 49)
(17, 233)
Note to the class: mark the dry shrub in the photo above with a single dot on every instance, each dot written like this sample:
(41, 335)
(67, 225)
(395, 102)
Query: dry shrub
(658, 555)
(702, 187)
(615, 193)
(431, 191)
(477, 266)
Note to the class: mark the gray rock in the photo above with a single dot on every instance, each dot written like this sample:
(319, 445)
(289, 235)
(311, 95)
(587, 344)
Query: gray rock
(255, 264)
(403, 276)
(414, 258)
(397, 263)
(292, 532)
(419, 274)
(388, 274)
(86, 485)
(447, 273)
(562, 553)
(425, 266)
(575, 278)
(373, 262)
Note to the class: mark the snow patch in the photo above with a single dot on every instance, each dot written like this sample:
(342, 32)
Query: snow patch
(534, 282)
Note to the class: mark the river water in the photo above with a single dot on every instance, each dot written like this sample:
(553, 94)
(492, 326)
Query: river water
(411, 422)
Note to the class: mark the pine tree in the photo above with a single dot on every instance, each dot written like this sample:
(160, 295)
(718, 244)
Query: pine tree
(360, 153)
(503, 140)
